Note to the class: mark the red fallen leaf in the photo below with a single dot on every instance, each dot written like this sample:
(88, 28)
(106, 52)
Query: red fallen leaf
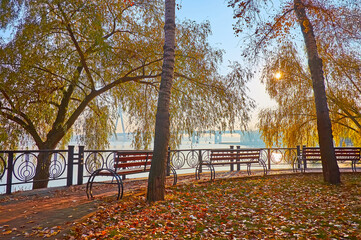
(249, 207)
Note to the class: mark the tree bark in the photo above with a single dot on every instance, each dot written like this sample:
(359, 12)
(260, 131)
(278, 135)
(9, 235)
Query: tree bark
(331, 173)
(41, 177)
(156, 180)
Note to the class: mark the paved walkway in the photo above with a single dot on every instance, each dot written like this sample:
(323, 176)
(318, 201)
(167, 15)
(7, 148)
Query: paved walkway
(50, 213)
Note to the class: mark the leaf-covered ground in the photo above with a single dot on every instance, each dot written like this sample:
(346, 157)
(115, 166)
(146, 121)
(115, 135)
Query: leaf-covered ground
(275, 207)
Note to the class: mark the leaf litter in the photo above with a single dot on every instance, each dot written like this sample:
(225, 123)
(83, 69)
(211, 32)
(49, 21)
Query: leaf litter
(274, 207)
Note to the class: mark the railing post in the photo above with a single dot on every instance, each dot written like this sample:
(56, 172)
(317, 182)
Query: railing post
(304, 161)
(168, 162)
(299, 157)
(269, 155)
(232, 168)
(80, 164)
(238, 164)
(10, 172)
(200, 161)
(124, 176)
(69, 177)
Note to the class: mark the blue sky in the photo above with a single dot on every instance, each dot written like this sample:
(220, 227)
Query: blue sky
(221, 18)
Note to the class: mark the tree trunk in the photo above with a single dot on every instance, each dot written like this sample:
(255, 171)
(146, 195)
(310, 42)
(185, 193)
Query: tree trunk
(41, 178)
(156, 180)
(331, 173)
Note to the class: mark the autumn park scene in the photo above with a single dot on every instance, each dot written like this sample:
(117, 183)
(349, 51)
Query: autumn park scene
(180, 119)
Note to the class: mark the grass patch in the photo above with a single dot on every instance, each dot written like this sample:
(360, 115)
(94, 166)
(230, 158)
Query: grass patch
(274, 207)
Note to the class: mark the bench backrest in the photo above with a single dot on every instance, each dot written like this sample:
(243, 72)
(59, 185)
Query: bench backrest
(236, 155)
(342, 154)
(133, 159)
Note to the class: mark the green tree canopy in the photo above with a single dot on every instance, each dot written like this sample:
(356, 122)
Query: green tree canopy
(70, 65)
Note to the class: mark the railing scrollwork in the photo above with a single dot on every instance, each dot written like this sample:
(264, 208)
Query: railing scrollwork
(57, 165)
(24, 163)
(2, 166)
(93, 161)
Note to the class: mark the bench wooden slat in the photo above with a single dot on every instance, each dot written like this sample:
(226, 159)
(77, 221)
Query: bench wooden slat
(309, 153)
(131, 164)
(126, 162)
(342, 154)
(233, 161)
(220, 158)
(132, 171)
(249, 157)
(235, 155)
(227, 163)
(240, 157)
(133, 158)
(347, 155)
(122, 171)
(232, 157)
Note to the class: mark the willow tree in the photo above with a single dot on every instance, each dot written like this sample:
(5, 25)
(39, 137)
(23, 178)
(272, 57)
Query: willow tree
(68, 66)
(316, 19)
(294, 119)
(293, 122)
(156, 180)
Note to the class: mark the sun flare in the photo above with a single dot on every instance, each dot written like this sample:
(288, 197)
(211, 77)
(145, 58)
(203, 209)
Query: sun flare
(278, 75)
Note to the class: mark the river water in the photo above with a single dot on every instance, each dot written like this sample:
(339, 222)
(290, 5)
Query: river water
(124, 143)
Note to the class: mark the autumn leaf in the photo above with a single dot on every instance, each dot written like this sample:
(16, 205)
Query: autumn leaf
(276, 207)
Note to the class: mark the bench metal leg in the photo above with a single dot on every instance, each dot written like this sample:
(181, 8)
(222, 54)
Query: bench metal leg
(264, 166)
(211, 168)
(198, 171)
(249, 169)
(297, 164)
(175, 177)
(90, 180)
(97, 172)
(353, 166)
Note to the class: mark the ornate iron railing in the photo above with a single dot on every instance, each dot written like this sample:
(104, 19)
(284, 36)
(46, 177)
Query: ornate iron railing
(275, 158)
(187, 158)
(18, 167)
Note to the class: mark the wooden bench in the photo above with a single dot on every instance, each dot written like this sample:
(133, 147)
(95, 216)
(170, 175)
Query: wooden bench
(125, 163)
(343, 154)
(232, 157)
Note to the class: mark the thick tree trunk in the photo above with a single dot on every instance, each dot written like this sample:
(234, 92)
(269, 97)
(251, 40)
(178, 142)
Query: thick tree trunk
(41, 178)
(156, 181)
(331, 173)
